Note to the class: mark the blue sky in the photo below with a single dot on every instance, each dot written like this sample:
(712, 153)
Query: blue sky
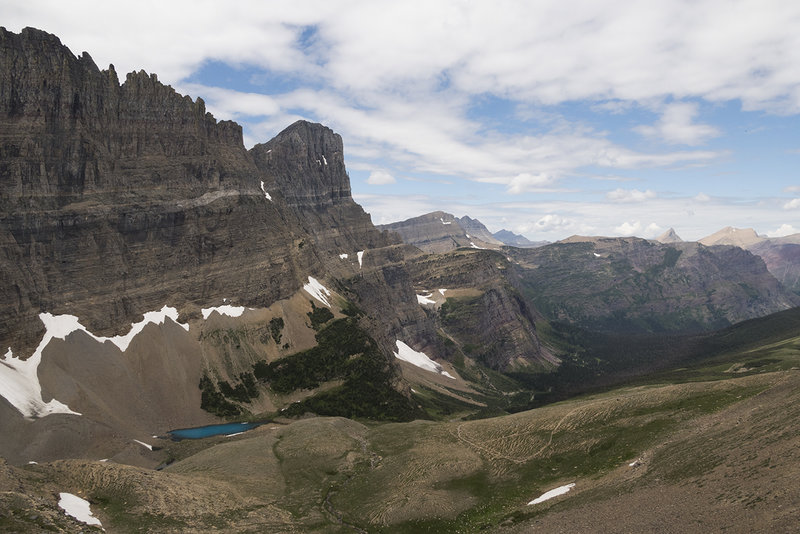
(547, 118)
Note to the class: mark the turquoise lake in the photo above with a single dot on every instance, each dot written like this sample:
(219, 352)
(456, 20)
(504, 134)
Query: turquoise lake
(211, 430)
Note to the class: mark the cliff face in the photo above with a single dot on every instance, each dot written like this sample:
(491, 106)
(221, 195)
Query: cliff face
(72, 133)
(485, 314)
(119, 198)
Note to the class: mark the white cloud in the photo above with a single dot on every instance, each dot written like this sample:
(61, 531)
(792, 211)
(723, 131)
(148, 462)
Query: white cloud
(628, 228)
(792, 189)
(380, 178)
(702, 197)
(551, 222)
(608, 52)
(676, 126)
(630, 195)
(783, 230)
(792, 204)
(652, 230)
(233, 104)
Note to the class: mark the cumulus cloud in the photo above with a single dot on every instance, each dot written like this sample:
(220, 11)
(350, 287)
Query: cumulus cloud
(676, 126)
(380, 178)
(551, 222)
(607, 52)
(783, 230)
(652, 230)
(630, 195)
(792, 204)
(636, 228)
(702, 197)
(628, 228)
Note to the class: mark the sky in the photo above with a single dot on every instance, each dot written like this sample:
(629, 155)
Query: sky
(548, 118)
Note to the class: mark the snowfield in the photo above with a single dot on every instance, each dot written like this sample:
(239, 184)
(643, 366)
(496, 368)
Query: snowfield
(425, 299)
(77, 508)
(143, 444)
(266, 195)
(231, 311)
(420, 359)
(318, 291)
(19, 380)
(561, 490)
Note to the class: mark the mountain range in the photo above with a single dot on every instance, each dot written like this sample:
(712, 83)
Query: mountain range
(158, 275)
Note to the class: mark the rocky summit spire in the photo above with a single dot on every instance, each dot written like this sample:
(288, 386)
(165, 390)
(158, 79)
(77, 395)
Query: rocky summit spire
(669, 237)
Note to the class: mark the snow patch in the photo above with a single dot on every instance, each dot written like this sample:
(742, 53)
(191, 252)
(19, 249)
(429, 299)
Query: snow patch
(325, 161)
(143, 444)
(19, 380)
(227, 309)
(266, 195)
(318, 291)
(343, 256)
(561, 490)
(467, 236)
(596, 255)
(425, 299)
(473, 245)
(420, 359)
(360, 258)
(77, 508)
(445, 222)
(441, 291)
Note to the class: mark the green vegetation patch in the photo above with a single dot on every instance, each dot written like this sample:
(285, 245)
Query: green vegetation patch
(345, 352)
(276, 329)
(319, 316)
(213, 401)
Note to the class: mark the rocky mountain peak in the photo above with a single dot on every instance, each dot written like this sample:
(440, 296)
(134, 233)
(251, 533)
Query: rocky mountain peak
(740, 237)
(670, 236)
(306, 163)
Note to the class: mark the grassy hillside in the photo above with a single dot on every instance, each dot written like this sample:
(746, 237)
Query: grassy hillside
(708, 445)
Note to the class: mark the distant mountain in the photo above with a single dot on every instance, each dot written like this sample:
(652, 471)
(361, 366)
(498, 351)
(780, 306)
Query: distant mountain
(669, 237)
(740, 237)
(516, 240)
(781, 254)
(634, 285)
(440, 232)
